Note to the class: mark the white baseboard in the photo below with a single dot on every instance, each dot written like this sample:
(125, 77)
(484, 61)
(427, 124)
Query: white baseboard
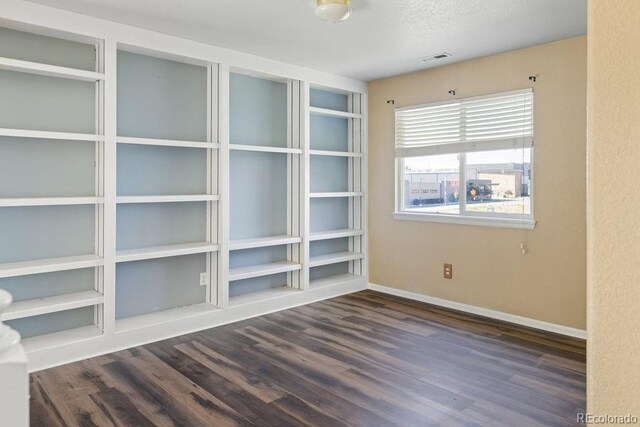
(480, 311)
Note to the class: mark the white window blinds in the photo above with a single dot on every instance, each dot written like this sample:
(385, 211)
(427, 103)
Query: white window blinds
(483, 123)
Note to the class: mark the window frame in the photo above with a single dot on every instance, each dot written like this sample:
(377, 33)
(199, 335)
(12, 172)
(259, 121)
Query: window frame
(465, 217)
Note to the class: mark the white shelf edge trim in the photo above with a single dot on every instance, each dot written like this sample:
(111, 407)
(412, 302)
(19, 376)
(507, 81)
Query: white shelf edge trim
(35, 307)
(263, 295)
(334, 234)
(319, 260)
(165, 251)
(486, 312)
(334, 113)
(263, 149)
(334, 280)
(163, 316)
(263, 242)
(60, 339)
(50, 201)
(334, 153)
(49, 265)
(262, 270)
(336, 194)
(167, 199)
(39, 134)
(10, 64)
(166, 142)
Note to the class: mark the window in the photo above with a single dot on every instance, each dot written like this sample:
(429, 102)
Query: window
(467, 161)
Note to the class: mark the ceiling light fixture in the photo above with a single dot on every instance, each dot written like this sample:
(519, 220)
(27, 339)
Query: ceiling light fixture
(333, 10)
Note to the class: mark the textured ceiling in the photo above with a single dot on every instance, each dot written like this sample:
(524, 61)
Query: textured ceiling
(382, 38)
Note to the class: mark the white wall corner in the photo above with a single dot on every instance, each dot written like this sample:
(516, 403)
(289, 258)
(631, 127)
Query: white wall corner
(480, 311)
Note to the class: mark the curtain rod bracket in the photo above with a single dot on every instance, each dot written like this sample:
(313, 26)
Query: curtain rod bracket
(391, 101)
(452, 92)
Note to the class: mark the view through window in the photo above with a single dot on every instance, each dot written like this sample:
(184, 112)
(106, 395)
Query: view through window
(495, 182)
(467, 157)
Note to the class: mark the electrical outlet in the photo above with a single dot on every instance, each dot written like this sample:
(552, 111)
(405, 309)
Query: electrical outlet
(204, 279)
(448, 271)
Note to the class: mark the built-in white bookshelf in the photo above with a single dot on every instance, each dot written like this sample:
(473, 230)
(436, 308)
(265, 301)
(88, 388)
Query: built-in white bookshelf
(167, 194)
(51, 192)
(265, 159)
(337, 187)
(147, 193)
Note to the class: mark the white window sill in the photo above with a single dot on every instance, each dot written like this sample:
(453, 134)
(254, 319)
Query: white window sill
(527, 224)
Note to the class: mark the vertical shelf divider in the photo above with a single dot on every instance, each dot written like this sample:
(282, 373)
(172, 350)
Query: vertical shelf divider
(223, 184)
(214, 294)
(364, 179)
(305, 185)
(109, 186)
(352, 179)
(294, 195)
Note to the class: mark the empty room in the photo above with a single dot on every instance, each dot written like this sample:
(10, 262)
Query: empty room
(319, 213)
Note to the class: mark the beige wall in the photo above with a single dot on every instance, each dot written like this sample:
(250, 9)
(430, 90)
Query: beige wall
(613, 356)
(549, 283)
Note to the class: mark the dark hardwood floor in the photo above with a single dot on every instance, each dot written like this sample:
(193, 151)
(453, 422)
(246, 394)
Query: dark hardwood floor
(364, 359)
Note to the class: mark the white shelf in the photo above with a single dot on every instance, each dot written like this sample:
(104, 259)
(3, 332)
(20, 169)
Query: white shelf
(334, 113)
(166, 142)
(38, 134)
(49, 265)
(333, 280)
(262, 270)
(35, 307)
(168, 199)
(319, 260)
(334, 234)
(60, 339)
(334, 153)
(164, 316)
(165, 251)
(49, 70)
(49, 201)
(337, 194)
(260, 296)
(263, 149)
(262, 242)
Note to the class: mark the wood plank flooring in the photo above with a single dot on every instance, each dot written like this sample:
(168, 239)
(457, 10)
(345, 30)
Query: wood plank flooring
(365, 359)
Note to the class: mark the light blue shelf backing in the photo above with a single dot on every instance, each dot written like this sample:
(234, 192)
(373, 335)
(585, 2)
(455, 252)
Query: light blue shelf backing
(329, 174)
(329, 214)
(329, 133)
(34, 102)
(46, 168)
(160, 224)
(256, 284)
(329, 100)
(257, 111)
(257, 256)
(325, 271)
(47, 50)
(150, 286)
(31, 233)
(35, 286)
(157, 170)
(53, 322)
(258, 194)
(331, 246)
(160, 98)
